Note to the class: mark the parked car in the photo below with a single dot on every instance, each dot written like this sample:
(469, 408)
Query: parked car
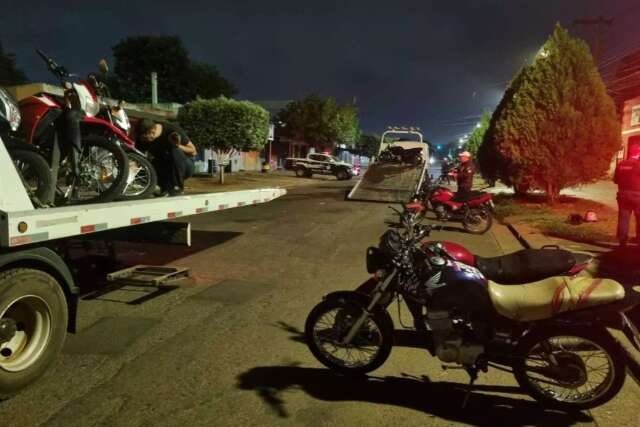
(323, 164)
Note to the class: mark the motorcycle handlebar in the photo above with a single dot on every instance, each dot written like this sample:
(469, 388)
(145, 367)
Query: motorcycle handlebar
(52, 66)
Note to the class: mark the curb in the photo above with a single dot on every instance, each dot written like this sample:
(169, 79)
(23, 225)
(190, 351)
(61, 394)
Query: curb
(525, 244)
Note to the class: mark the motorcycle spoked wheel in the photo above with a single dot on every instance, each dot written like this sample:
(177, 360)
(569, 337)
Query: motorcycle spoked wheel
(477, 220)
(142, 179)
(330, 321)
(35, 174)
(104, 168)
(570, 368)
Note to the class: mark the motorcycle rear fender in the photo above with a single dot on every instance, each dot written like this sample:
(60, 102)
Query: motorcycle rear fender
(362, 300)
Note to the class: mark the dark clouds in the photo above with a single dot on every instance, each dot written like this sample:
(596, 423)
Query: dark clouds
(433, 64)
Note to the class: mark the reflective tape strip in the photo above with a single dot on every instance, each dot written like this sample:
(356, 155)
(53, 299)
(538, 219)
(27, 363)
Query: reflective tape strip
(31, 238)
(140, 220)
(201, 210)
(91, 228)
(171, 215)
(220, 207)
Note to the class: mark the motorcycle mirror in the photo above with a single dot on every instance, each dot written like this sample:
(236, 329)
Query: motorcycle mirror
(103, 66)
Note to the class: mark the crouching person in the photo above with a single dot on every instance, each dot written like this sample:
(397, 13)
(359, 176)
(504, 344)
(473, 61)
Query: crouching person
(171, 154)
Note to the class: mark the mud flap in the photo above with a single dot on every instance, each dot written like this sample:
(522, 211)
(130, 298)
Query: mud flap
(389, 182)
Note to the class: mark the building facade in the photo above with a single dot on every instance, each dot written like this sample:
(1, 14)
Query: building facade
(630, 124)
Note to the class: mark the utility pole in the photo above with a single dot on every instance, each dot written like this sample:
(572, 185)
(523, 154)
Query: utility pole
(601, 24)
(154, 88)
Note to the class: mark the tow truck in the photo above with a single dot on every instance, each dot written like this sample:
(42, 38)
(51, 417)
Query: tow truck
(38, 287)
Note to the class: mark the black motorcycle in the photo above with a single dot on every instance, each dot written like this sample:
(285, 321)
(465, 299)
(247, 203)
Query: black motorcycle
(551, 333)
(398, 154)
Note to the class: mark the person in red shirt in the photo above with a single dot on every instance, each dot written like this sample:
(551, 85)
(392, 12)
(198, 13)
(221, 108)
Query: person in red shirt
(627, 177)
(466, 170)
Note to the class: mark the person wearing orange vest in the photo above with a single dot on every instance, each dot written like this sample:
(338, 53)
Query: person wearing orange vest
(627, 176)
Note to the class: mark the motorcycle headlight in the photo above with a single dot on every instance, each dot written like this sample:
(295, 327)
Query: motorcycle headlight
(9, 110)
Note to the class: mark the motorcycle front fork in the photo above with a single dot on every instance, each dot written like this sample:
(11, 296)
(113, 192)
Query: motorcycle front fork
(366, 313)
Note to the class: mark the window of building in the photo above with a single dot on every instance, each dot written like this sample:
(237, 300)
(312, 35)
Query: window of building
(635, 115)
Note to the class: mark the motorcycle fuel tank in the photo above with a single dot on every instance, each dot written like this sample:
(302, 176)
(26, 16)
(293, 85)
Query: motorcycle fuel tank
(461, 287)
(457, 252)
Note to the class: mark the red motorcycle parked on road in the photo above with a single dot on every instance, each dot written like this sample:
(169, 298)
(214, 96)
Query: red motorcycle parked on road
(86, 168)
(472, 209)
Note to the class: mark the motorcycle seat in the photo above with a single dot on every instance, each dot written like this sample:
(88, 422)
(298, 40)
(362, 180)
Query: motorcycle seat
(468, 196)
(529, 265)
(547, 298)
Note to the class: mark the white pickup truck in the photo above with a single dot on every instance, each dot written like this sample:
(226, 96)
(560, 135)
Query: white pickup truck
(323, 164)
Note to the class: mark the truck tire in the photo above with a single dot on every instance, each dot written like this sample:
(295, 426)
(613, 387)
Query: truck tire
(36, 303)
(301, 172)
(342, 175)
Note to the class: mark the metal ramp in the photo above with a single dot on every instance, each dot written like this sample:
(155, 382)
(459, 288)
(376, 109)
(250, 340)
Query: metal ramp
(392, 182)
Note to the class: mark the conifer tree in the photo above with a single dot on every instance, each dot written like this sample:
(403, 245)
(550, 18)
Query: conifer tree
(557, 127)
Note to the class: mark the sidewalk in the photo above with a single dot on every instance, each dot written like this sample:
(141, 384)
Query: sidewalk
(602, 192)
(249, 180)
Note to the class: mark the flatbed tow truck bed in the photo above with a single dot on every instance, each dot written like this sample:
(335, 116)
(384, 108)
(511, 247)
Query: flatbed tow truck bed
(38, 291)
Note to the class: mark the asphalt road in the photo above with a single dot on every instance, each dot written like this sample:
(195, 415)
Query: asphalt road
(226, 348)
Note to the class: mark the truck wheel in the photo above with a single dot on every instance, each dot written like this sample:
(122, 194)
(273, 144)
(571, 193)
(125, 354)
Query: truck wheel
(301, 172)
(342, 174)
(33, 303)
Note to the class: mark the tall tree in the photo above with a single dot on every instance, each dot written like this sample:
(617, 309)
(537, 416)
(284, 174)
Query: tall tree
(179, 79)
(10, 74)
(206, 82)
(476, 137)
(559, 127)
(321, 121)
(368, 145)
(225, 125)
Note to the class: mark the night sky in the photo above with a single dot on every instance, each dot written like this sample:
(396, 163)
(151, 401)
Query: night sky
(433, 64)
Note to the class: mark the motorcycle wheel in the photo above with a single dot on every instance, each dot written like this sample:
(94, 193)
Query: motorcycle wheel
(477, 221)
(104, 168)
(331, 320)
(142, 179)
(570, 368)
(385, 156)
(35, 174)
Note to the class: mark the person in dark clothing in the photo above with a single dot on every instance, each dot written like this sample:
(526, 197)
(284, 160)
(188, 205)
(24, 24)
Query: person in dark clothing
(445, 169)
(171, 151)
(466, 170)
(627, 176)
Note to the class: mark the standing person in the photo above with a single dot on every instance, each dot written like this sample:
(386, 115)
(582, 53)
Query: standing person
(172, 154)
(627, 177)
(445, 168)
(466, 170)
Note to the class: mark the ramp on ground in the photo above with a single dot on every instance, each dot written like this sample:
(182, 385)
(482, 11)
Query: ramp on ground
(388, 182)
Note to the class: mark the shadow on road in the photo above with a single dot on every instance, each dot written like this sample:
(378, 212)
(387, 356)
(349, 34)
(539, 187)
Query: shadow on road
(443, 399)
(95, 263)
